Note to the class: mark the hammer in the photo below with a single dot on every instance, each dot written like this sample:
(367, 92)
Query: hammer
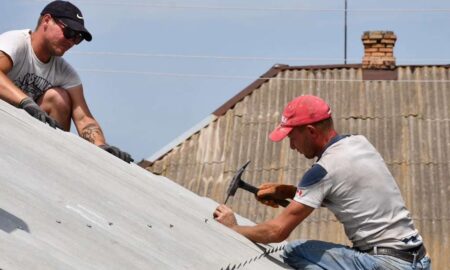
(237, 182)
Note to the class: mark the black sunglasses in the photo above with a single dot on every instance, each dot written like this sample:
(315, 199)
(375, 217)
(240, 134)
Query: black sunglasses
(69, 33)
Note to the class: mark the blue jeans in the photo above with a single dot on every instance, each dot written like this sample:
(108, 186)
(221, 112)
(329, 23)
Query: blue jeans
(312, 254)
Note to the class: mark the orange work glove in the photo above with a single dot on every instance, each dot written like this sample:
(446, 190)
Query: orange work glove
(268, 192)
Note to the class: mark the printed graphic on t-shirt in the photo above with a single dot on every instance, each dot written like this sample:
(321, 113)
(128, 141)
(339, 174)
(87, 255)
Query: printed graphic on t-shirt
(32, 85)
(298, 194)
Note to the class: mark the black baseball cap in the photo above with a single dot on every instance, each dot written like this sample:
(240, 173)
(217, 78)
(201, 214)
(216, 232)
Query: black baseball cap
(69, 14)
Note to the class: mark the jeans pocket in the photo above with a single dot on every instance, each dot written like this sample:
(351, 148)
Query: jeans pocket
(426, 263)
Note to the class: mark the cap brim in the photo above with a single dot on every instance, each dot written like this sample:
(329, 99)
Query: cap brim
(279, 133)
(77, 27)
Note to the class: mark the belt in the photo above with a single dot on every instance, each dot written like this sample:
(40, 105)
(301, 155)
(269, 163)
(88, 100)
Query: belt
(411, 255)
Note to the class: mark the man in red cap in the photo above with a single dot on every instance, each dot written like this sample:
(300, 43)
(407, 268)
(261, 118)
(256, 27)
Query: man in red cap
(351, 179)
(35, 77)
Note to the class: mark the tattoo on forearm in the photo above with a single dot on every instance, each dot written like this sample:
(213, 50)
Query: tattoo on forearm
(91, 132)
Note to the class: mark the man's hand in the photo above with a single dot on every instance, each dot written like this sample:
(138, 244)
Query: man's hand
(268, 192)
(117, 152)
(225, 215)
(34, 110)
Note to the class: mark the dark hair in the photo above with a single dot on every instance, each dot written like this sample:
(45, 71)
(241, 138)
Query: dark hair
(325, 124)
(39, 22)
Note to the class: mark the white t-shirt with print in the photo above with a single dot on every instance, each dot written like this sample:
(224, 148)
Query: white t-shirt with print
(352, 180)
(29, 73)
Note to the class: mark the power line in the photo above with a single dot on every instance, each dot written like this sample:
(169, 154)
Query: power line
(216, 57)
(243, 58)
(209, 76)
(283, 9)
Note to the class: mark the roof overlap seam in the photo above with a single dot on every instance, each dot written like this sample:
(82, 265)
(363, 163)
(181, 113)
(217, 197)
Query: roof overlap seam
(253, 259)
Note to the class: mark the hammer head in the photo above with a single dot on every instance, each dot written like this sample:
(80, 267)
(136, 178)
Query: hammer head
(234, 185)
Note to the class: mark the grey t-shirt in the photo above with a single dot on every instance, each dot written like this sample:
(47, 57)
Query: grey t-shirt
(29, 73)
(352, 180)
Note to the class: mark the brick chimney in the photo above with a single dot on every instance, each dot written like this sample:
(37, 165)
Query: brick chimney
(378, 50)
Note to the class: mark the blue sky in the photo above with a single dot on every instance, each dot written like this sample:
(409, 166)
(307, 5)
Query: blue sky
(154, 69)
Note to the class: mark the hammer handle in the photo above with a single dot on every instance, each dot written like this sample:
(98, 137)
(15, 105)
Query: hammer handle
(248, 187)
(255, 190)
(283, 203)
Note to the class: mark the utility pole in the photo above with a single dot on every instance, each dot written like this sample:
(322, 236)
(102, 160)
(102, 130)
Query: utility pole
(345, 34)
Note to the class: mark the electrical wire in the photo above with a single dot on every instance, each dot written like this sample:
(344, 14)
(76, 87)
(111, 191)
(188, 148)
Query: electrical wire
(216, 57)
(288, 9)
(174, 6)
(209, 76)
(243, 58)
(284, 9)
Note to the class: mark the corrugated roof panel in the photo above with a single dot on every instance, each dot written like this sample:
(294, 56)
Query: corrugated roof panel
(408, 122)
(67, 204)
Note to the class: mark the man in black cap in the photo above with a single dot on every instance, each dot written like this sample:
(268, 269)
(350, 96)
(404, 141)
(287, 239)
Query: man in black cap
(35, 78)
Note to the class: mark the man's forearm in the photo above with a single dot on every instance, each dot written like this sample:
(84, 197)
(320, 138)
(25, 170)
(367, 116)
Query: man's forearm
(9, 92)
(272, 231)
(93, 133)
(261, 233)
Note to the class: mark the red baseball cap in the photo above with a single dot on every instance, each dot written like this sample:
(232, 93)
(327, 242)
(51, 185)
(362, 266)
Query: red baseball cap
(302, 110)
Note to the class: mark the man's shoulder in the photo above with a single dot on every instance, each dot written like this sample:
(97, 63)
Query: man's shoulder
(15, 44)
(313, 176)
(340, 153)
(16, 34)
(347, 142)
(14, 41)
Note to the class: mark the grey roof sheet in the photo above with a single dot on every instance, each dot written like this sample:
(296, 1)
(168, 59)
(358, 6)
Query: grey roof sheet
(67, 204)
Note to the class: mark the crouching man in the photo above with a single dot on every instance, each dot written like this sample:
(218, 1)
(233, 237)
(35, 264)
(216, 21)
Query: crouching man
(35, 77)
(351, 179)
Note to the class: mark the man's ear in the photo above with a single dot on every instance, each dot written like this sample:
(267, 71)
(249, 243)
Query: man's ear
(46, 20)
(312, 130)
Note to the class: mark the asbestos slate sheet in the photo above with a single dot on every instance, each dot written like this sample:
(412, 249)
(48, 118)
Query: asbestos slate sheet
(67, 204)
